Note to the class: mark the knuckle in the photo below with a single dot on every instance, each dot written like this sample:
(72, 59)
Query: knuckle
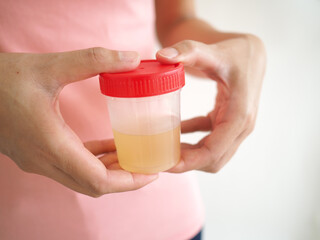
(94, 195)
(250, 128)
(65, 165)
(250, 123)
(214, 168)
(245, 120)
(97, 54)
(26, 167)
(97, 187)
(190, 45)
(242, 118)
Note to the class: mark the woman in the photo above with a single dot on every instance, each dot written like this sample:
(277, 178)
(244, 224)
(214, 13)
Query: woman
(48, 109)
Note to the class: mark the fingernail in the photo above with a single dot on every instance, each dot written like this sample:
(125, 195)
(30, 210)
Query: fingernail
(169, 52)
(128, 56)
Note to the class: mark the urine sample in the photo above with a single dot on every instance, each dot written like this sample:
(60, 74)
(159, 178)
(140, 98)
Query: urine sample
(148, 153)
(144, 110)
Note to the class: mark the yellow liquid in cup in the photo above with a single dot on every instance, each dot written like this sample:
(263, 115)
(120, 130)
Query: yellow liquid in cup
(148, 153)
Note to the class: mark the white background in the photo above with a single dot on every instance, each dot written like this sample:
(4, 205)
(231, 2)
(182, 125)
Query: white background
(270, 190)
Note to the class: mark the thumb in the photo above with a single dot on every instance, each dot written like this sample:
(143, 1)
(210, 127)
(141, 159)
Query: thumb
(67, 67)
(192, 54)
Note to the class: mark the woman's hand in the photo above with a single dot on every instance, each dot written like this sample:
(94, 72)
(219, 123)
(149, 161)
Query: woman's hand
(238, 66)
(32, 130)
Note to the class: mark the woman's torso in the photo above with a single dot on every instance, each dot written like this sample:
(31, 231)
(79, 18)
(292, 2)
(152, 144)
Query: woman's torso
(35, 207)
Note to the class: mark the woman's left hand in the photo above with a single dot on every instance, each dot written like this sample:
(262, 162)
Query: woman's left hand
(238, 66)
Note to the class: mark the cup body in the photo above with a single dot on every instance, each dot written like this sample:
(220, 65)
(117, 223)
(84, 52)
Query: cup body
(146, 131)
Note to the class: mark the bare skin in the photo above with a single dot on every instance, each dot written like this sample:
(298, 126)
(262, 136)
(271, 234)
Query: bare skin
(34, 135)
(33, 132)
(235, 61)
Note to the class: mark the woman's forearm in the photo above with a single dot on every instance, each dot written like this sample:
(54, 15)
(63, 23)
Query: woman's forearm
(193, 29)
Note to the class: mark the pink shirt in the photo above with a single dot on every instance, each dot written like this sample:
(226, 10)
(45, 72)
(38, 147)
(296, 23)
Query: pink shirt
(35, 207)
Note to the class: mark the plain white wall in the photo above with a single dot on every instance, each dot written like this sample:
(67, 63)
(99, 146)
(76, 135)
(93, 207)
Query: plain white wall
(270, 190)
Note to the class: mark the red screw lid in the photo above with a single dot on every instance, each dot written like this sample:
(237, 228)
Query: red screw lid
(149, 79)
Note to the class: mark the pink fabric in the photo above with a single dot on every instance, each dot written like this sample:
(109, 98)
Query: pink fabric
(35, 207)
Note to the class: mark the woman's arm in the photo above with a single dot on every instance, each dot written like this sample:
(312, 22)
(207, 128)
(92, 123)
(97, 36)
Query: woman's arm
(33, 133)
(236, 61)
(177, 21)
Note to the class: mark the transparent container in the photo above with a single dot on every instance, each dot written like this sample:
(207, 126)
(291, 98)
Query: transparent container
(144, 109)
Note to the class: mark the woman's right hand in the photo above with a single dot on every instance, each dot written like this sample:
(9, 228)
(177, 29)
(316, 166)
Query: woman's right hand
(33, 133)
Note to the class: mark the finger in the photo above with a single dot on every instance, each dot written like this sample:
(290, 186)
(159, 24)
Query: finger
(191, 159)
(118, 179)
(121, 180)
(93, 175)
(115, 166)
(188, 146)
(196, 124)
(211, 152)
(229, 154)
(230, 124)
(136, 180)
(192, 54)
(59, 176)
(217, 166)
(73, 66)
(98, 147)
(45, 168)
(89, 172)
(109, 158)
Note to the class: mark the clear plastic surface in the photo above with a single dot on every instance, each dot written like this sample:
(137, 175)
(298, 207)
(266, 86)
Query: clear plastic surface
(146, 131)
